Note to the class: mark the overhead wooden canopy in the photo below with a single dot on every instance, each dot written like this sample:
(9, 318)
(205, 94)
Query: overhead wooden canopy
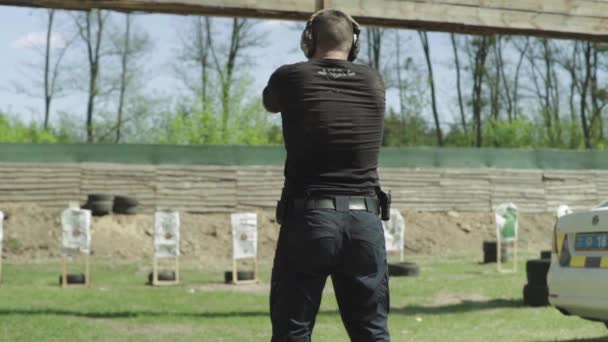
(582, 19)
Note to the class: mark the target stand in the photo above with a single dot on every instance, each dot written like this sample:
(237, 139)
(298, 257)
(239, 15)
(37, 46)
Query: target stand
(64, 272)
(155, 271)
(507, 228)
(244, 245)
(166, 247)
(76, 227)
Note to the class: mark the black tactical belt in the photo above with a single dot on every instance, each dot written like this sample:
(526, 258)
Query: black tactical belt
(338, 203)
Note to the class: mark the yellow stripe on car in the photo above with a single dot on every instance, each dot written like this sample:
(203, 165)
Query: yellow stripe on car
(578, 261)
(604, 263)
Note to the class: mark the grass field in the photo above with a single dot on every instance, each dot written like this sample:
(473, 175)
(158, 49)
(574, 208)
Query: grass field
(454, 299)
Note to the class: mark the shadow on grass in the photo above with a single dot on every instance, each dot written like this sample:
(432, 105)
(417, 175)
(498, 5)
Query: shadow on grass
(131, 314)
(596, 339)
(464, 306)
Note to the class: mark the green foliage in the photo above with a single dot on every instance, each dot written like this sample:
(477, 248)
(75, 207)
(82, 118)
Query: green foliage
(249, 125)
(12, 130)
(407, 130)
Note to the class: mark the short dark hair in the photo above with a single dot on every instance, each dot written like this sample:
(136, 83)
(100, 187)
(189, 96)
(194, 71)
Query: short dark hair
(332, 30)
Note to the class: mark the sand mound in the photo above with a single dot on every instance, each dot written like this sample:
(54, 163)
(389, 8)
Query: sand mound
(34, 232)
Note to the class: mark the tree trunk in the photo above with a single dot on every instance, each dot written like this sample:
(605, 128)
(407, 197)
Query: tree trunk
(123, 75)
(431, 79)
(463, 119)
(478, 73)
(516, 81)
(585, 86)
(47, 71)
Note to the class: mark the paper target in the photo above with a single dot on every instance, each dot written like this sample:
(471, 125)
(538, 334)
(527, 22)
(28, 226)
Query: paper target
(244, 235)
(166, 234)
(76, 224)
(394, 231)
(507, 224)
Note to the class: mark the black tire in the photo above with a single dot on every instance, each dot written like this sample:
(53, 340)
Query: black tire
(100, 197)
(125, 201)
(125, 210)
(241, 275)
(536, 295)
(162, 276)
(545, 254)
(99, 208)
(490, 256)
(537, 270)
(403, 269)
(78, 278)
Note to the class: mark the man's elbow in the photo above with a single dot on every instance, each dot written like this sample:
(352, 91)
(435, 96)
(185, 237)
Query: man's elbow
(270, 102)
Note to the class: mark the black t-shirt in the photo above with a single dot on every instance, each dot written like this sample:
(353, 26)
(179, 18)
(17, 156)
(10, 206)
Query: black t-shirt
(333, 114)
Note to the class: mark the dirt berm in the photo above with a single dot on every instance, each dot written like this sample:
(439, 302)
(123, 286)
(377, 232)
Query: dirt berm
(33, 232)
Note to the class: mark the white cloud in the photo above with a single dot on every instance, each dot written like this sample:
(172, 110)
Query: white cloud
(38, 39)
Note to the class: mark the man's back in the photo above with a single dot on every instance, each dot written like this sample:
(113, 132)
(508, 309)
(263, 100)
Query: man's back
(332, 112)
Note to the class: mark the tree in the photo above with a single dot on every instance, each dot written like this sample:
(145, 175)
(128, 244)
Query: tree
(195, 48)
(130, 47)
(53, 83)
(480, 47)
(243, 36)
(374, 37)
(431, 80)
(463, 118)
(90, 26)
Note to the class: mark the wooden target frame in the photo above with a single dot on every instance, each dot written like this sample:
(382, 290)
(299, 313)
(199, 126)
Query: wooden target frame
(65, 262)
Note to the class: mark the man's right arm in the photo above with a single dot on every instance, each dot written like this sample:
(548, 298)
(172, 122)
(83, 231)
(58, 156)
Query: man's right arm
(271, 100)
(271, 95)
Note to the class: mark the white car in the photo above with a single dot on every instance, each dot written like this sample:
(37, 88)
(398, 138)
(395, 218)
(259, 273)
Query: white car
(578, 276)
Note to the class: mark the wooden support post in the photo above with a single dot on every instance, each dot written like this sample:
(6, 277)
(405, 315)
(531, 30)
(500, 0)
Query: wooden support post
(64, 273)
(235, 279)
(158, 282)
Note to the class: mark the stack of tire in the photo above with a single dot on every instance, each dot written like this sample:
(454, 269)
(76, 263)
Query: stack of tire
(103, 204)
(536, 291)
(490, 252)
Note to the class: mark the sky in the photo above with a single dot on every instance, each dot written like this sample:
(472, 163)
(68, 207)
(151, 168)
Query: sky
(23, 29)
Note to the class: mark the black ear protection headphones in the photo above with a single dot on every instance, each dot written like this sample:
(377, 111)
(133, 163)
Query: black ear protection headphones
(308, 43)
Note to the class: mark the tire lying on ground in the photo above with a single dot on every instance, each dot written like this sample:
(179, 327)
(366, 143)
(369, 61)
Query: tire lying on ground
(545, 254)
(126, 205)
(536, 295)
(241, 275)
(78, 278)
(403, 269)
(162, 276)
(537, 271)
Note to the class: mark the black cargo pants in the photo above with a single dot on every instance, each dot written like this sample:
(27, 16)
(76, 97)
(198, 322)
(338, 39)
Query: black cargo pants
(349, 247)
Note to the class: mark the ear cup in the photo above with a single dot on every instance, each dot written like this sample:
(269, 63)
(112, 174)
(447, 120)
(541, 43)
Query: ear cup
(307, 43)
(354, 50)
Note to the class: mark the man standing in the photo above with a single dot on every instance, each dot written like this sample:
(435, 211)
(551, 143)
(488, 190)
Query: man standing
(332, 115)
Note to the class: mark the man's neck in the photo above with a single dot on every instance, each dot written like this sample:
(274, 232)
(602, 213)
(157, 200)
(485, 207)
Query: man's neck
(341, 55)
